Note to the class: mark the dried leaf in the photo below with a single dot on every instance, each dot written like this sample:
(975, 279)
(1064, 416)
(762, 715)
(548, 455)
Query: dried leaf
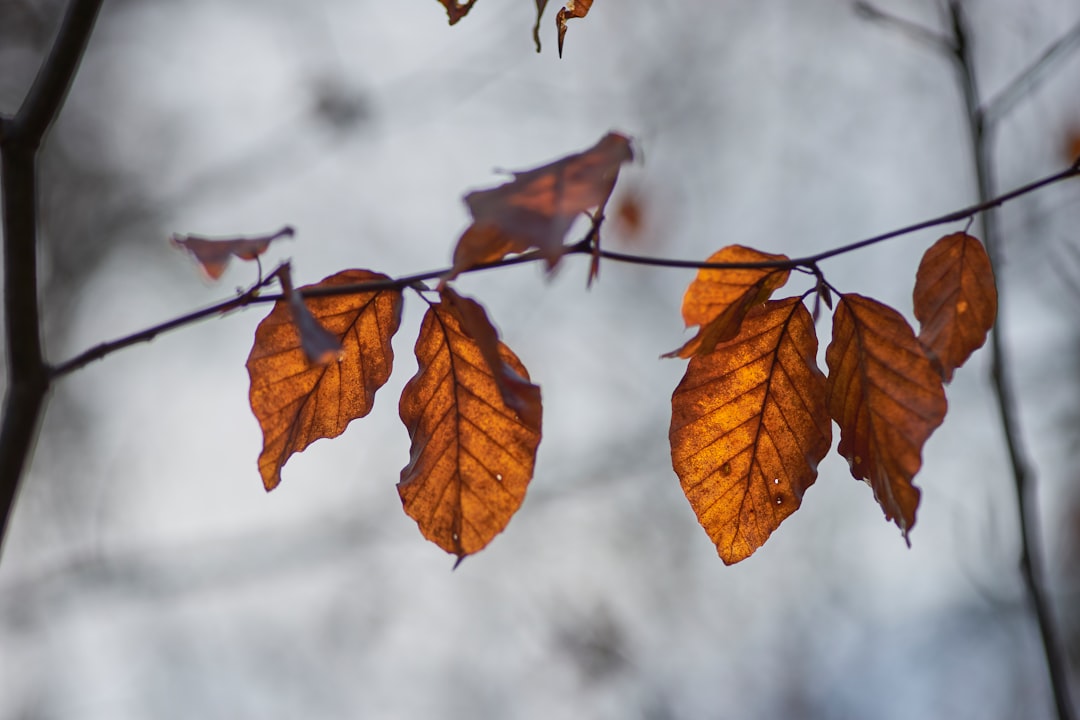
(456, 10)
(887, 397)
(955, 300)
(213, 255)
(297, 403)
(319, 345)
(573, 9)
(718, 300)
(537, 208)
(749, 426)
(541, 5)
(472, 456)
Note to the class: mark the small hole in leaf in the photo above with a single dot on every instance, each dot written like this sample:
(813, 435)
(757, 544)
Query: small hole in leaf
(779, 499)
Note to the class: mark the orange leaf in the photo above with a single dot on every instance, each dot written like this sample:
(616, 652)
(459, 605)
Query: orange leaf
(887, 397)
(296, 402)
(472, 456)
(718, 300)
(749, 426)
(457, 10)
(955, 300)
(214, 255)
(537, 207)
(573, 9)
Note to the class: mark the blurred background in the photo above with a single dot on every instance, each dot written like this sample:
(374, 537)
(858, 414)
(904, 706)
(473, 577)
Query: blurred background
(148, 575)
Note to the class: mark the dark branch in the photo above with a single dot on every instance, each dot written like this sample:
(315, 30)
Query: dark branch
(46, 96)
(20, 138)
(931, 38)
(585, 246)
(1031, 557)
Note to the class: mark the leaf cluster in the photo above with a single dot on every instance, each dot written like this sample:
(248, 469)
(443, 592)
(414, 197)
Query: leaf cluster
(751, 418)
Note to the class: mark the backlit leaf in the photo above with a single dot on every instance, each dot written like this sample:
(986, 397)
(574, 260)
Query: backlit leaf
(456, 10)
(537, 207)
(955, 300)
(297, 402)
(887, 397)
(749, 426)
(213, 255)
(573, 9)
(472, 456)
(718, 300)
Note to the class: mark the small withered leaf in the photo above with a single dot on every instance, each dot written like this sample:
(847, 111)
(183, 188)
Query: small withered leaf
(213, 255)
(456, 10)
(537, 207)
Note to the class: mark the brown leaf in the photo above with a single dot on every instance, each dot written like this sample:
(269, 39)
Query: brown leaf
(573, 9)
(456, 10)
(955, 300)
(537, 207)
(472, 456)
(749, 426)
(541, 5)
(298, 403)
(718, 300)
(213, 255)
(887, 397)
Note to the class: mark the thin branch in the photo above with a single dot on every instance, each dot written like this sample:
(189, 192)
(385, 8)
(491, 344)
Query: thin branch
(1031, 556)
(1027, 80)
(585, 246)
(913, 30)
(46, 96)
(20, 138)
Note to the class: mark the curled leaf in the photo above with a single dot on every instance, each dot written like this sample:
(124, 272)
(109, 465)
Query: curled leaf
(955, 300)
(718, 300)
(472, 456)
(296, 402)
(749, 426)
(318, 344)
(213, 255)
(887, 398)
(573, 9)
(537, 207)
(456, 10)
(517, 392)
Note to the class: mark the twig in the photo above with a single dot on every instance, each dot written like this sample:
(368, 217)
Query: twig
(1031, 560)
(913, 30)
(585, 246)
(1028, 79)
(20, 138)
